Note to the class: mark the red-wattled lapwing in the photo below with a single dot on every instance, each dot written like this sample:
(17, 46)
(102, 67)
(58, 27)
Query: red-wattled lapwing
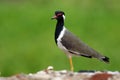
(70, 44)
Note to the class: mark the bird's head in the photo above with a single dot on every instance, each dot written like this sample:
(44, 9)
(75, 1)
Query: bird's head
(59, 15)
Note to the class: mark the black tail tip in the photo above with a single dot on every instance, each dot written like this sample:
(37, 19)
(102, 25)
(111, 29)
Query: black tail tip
(105, 59)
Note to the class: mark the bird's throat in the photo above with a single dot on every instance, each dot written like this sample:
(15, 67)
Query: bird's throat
(59, 28)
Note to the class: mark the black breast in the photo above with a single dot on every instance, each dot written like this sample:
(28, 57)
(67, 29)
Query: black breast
(59, 28)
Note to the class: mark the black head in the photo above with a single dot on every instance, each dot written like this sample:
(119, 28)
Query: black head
(59, 15)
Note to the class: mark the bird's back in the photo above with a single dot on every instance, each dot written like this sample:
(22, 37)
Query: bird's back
(77, 47)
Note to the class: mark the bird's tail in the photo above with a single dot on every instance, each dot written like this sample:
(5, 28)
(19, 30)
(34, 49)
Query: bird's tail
(105, 59)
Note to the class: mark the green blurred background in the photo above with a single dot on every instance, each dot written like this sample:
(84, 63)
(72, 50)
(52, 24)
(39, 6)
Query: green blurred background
(27, 34)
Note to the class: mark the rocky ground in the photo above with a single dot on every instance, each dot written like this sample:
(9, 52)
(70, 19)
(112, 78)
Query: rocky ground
(50, 74)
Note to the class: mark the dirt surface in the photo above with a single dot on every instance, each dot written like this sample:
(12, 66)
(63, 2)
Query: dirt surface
(50, 74)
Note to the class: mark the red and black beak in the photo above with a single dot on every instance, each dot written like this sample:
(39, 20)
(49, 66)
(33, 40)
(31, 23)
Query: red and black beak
(54, 17)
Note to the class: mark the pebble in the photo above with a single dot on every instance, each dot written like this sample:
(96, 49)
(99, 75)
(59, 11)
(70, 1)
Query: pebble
(50, 74)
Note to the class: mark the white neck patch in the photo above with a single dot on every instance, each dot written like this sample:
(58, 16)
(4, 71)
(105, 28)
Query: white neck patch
(60, 45)
(63, 17)
(61, 34)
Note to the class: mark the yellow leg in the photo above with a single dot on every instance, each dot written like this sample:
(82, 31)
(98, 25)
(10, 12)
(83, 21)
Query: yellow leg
(71, 64)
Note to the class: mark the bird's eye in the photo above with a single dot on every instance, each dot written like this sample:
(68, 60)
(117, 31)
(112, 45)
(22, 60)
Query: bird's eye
(59, 14)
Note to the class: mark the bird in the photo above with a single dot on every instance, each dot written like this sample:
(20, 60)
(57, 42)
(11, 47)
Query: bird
(70, 44)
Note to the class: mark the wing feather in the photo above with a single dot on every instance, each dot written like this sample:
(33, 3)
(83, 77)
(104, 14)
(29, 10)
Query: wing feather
(76, 46)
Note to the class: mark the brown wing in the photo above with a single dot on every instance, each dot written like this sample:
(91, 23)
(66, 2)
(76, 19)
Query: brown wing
(77, 47)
